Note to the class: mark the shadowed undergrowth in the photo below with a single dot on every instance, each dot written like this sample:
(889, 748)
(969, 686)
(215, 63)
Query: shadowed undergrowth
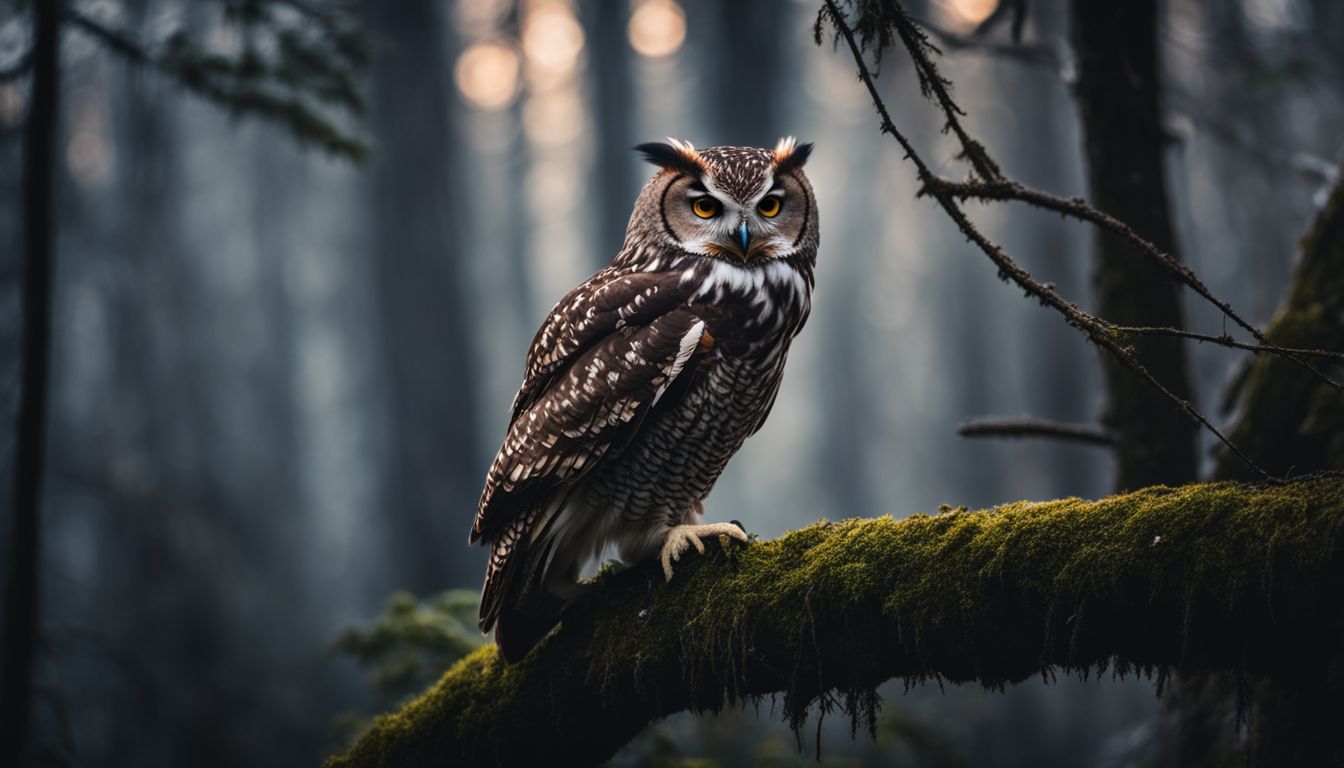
(1203, 577)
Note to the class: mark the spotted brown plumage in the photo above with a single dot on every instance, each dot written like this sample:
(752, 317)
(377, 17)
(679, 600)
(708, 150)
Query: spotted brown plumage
(644, 381)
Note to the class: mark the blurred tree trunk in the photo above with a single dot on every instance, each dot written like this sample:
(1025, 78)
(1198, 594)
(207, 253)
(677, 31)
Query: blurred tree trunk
(606, 21)
(427, 331)
(1060, 379)
(21, 603)
(1119, 101)
(1293, 423)
(746, 108)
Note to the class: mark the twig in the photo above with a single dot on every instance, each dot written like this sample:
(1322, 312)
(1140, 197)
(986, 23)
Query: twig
(1006, 189)
(1019, 11)
(244, 86)
(1097, 330)
(932, 84)
(1026, 426)
(1227, 341)
(1034, 55)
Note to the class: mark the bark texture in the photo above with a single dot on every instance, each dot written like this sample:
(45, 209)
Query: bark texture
(1292, 422)
(21, 617)
(1119, 103)
(1202, 577)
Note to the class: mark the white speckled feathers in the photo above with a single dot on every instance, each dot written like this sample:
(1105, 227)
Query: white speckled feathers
(646, 379)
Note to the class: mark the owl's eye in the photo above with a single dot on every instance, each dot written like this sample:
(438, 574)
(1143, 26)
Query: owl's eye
(769, 207)
(705, 207)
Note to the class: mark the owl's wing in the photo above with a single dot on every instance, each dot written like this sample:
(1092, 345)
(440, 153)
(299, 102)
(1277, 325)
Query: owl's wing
(593, 407)
(591, 401)
(609, 301)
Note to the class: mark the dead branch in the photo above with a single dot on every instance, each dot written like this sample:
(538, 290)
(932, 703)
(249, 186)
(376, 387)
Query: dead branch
(1026, 426)
(935, 86)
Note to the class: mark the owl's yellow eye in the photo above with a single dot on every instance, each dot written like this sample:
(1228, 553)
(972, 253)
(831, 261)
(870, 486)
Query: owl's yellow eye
(769, 206)
(705, 207)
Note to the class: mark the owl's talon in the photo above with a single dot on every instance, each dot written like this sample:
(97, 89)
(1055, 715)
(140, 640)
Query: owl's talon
(682, 536)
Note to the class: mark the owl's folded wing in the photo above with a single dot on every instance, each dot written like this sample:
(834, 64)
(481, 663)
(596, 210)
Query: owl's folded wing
(609, 301)
(592, 404)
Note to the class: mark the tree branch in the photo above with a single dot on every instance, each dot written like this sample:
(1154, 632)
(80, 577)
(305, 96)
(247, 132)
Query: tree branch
(1290, 423)
(1034, 55)
(1077, 208)
(1219, 576)
(1026, 426)
(1224, 340)
(285, 90)
(1095, 329)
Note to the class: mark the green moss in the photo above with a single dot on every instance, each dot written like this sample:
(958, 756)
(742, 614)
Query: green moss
(1291, 421)
(1219, 576)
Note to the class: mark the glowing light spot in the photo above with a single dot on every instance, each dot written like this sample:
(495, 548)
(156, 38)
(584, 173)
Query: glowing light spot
(973, 11)
(89, 157)
(11, 105)
(552, 39)
(657, 28)
(551, 188)
(554, 118)
(487, 75)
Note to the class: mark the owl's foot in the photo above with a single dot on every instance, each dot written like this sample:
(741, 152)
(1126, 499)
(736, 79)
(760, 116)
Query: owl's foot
(683, 536)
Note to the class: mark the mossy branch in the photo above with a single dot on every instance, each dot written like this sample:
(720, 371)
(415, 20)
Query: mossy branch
(1291, 423)
(1203, 577)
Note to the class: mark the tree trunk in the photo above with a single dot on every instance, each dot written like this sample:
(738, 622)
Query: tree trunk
(606, 21)
(745, 113)
(431, 474)
(21, 604)
(1291, 422)
(1201, 577)
(1118, 93)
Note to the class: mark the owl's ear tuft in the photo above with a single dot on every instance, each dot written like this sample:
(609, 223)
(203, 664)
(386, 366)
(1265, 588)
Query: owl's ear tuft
(673, 155)
(790, 155)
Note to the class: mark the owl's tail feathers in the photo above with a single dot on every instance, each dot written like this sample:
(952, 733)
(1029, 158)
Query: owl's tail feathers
(515, 603)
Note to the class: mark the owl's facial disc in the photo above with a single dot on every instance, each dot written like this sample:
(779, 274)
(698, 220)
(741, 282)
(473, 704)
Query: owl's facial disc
(710, 222)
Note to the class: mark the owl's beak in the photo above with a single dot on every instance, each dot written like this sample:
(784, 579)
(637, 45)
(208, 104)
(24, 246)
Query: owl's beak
(743, 236)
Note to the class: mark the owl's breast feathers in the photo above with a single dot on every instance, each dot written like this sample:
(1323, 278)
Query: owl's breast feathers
(605, 356)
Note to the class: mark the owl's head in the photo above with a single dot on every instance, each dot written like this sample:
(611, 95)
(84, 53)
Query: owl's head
(741, 204)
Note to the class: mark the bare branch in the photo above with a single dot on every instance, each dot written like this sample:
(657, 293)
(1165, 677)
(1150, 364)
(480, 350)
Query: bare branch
(1018, 8)
(1225, 340)
(248, 85)
(1075, 207)
(1026, 426)
(1039, 55)
(116, 40)
(1097, 330)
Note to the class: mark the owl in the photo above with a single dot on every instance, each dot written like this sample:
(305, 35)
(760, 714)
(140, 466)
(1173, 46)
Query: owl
(644, 381)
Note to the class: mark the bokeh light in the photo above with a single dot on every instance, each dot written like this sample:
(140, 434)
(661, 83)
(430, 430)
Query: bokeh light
(973, 11)
(11, 105)
(657, 28)
(89, 157)
(554, 118)
(487, 75)
(552, 40)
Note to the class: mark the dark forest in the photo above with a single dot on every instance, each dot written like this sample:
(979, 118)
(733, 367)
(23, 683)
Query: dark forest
(1054, 476)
